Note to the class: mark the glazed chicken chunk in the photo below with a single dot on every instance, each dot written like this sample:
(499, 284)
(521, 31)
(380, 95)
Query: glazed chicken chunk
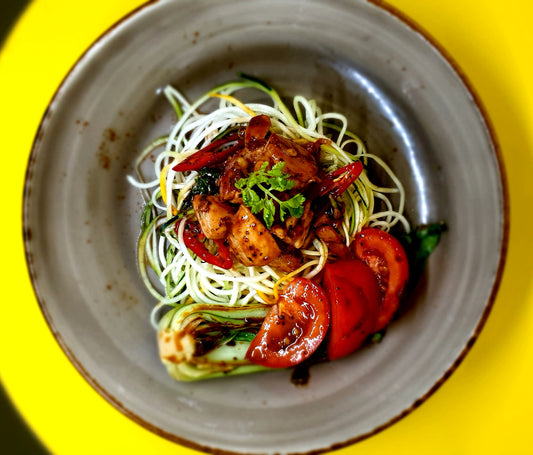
(226, 217)
(250, 241)
(261, 146)
(300, 162)
(295, 231)
(213, 215)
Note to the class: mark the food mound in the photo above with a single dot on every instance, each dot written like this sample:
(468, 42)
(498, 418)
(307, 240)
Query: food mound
(263, 238)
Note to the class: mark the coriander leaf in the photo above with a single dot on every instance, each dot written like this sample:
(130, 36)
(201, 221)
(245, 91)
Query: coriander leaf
(294, 206)
(251, 199)
(296, 212)
(282, 213)
(276, 170)
(295, 203)
(253, 179)
(269, 211)
(257, 193)
(278, 180)
(281, 184)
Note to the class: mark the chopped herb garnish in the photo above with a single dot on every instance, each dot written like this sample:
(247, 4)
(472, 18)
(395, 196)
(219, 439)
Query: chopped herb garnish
(257, 193)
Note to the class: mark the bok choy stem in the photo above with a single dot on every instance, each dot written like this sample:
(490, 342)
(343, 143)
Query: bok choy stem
(200, 341)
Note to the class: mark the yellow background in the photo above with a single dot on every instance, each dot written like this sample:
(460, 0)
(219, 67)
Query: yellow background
(486, 406)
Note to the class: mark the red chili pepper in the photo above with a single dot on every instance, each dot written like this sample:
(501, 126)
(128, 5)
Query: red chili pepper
(221, 259)
(212, 154)
(338, 181)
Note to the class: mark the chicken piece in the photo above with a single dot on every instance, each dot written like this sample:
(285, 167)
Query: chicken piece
(240, 164)
(328, 233)
(250, 241)
(213, 215)
(256, 132)
(300, 161)
(300, 158)
(235, 169)
(287, 261)
(295, 231)
(334, 241)
(329, 215)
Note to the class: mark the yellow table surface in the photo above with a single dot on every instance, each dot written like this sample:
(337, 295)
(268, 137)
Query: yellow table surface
(487, 404)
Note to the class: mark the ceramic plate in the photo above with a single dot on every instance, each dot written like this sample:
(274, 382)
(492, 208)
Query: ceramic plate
(402, 95)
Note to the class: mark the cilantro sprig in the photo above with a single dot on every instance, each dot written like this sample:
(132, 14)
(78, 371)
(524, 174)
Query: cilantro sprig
(257, 193)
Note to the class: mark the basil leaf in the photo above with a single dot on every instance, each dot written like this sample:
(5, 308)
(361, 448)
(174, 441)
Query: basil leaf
(205, 183)
(419, 243)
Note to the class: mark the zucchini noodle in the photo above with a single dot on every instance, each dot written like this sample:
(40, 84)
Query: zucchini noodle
(172, 273)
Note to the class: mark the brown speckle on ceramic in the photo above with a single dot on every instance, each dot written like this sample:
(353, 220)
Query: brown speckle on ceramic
(406, 99)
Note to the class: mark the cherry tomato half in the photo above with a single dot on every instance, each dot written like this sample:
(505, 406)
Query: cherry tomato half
(384, 254)
(293, 328)
(355, 297)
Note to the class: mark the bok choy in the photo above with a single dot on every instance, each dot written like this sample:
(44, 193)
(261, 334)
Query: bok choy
(200, 341)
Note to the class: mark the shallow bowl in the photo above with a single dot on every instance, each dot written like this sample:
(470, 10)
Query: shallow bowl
(402, 94)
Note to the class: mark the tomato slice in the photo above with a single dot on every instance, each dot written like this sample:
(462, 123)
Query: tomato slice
(354, 295)
(293, 328)
(384, 254)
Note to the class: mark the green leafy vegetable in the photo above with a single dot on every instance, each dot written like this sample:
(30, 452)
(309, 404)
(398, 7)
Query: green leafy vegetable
(257, 193)
(377, 337)
(245, 336)
(419, 244)
(212, 340)
(205, 183)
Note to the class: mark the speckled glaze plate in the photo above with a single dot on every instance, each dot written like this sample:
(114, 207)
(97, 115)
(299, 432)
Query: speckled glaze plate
(402, 94)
